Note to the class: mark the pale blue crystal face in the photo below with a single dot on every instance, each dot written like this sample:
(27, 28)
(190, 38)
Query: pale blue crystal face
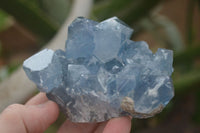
(103, 74)
(43, 72)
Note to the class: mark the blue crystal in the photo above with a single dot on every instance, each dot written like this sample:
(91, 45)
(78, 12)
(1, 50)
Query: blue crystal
(81, 42)
(103, 74)
(47, 69)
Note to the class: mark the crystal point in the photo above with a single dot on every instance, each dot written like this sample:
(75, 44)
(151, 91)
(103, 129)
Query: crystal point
(103, 74)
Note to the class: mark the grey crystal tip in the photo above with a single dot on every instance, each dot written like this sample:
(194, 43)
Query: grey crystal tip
(34, 65)
(39, 61)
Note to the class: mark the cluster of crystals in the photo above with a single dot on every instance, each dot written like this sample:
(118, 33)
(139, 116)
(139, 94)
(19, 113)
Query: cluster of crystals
(103, 74)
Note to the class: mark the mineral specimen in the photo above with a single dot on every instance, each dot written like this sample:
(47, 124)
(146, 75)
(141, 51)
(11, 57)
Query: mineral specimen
(103, 74)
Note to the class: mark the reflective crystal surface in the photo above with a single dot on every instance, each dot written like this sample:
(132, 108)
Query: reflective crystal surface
(103, 74)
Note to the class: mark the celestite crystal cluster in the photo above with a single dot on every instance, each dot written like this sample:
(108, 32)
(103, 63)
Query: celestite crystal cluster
(103, 74)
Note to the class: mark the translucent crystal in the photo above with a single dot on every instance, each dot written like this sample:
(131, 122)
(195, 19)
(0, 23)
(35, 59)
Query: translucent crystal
(103, 74)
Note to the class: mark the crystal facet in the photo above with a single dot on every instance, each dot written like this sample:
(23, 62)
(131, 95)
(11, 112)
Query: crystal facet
(103, 74)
